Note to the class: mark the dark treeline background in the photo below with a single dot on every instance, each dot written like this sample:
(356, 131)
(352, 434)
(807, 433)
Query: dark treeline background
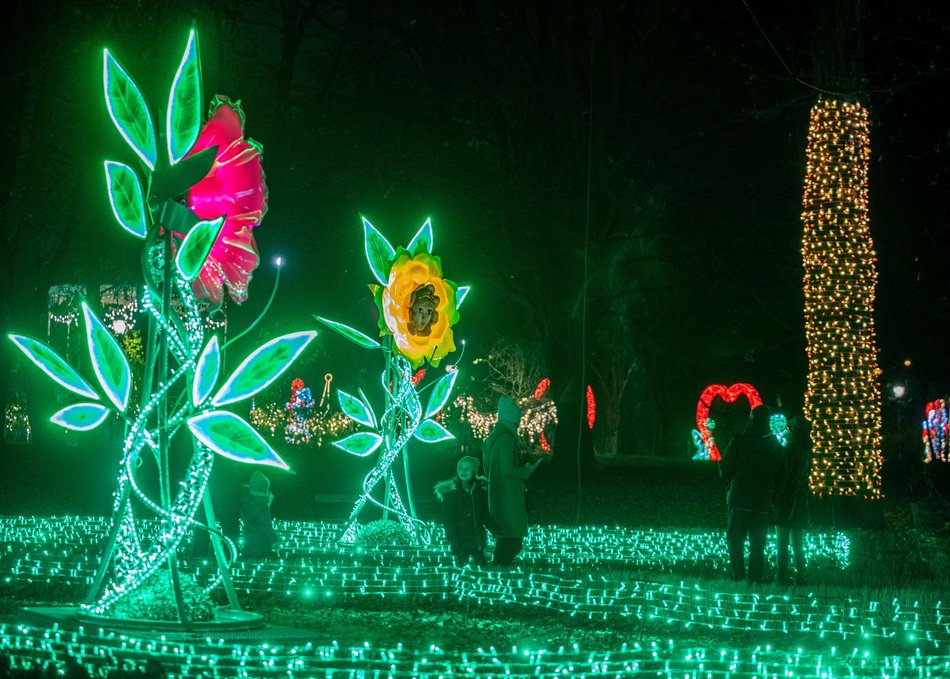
(657, 146)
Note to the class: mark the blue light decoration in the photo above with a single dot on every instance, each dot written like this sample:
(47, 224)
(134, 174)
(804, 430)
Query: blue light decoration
(936, 432)
(778, 425)
(417, 309)
(189, 258)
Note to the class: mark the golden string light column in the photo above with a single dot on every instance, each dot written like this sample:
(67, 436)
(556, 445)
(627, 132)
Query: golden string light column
(843, 398)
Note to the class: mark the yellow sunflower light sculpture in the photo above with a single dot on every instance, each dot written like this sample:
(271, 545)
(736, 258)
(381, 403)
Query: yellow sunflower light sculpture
(417, 309)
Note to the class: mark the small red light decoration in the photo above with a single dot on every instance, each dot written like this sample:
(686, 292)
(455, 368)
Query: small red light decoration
(591, 408)
(542, 387)
(418, 377)
(543, 440)
(729, 395)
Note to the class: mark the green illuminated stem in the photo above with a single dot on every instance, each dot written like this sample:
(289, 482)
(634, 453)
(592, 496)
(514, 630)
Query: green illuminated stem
(273, 293)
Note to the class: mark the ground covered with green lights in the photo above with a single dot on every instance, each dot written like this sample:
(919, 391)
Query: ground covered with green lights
(645, 595)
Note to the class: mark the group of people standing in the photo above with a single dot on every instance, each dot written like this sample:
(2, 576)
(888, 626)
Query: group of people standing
(767, 484)
(472, 505)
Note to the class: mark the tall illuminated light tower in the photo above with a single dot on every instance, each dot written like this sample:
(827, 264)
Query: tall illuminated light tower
(843, 397)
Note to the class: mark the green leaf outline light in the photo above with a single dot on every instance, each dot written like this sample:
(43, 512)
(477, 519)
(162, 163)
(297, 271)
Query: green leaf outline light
(379, 253)
(355, 409)
(361, 444)
(54, 365)
(126, 197)
(461, 294)
(227, 434)
(207, 371)
(263, 366)
(109, 363)
(81, 416)
(128, 109)
(430, 431)
(423, 238)
(194, 249)
(440, 393)
(369, 407)
(349, 333)
(183, 115)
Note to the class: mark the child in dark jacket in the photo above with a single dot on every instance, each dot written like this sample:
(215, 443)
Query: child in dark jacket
(465, 512)
(260, 538)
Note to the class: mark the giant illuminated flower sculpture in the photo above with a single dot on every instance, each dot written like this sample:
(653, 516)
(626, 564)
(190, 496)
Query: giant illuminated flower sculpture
(191, 252)
(234, 188)
(418, 307)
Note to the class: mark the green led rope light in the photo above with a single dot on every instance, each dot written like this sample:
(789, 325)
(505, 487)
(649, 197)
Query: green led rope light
(98, 651)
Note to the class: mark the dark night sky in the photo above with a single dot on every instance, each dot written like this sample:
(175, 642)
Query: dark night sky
(479, 115)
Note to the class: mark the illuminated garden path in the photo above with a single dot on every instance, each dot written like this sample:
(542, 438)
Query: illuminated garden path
(569, 572)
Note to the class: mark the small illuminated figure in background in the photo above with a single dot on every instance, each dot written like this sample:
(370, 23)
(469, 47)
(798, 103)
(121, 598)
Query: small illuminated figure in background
(935, 432)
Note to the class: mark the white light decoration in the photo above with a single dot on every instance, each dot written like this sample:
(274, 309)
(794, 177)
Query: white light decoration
(843, 397)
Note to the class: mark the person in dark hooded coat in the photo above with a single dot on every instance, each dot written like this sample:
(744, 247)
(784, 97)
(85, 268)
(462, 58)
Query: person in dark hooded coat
(260, 538)
(465, 512)
(506, 477)
(792, 505)
(754, 465)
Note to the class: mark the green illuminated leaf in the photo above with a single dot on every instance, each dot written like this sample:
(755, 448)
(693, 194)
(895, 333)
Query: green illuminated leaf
(128, 110)
(196, 246)
(108, 361)
(355, 409)
(431, 431)
(379, 253)
(361, 444)
(350, 334)
(206, 372)
(441, 393)
(368, 407)
(53, 365)
(228, 435)
(81, 417)
(422, 241)
(461, 294)
(125, 196)
(263, 367)
(183, 119)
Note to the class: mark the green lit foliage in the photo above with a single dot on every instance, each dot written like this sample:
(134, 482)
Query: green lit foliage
(207, 371)
(430, 431)
(422, 241)
(128, 110)
(440, 393)
(361, 444)
(108, 361)
(262, 367)
(156, 601)
(379, 253)
(356, 409)
(183, 120)
(228, 435)
(54, 365)
(81, 416)
(349, 333)
(383, 533)
(126, 197)
(196, 246)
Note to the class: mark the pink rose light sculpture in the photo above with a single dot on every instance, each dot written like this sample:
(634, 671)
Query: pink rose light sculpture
(235, 188)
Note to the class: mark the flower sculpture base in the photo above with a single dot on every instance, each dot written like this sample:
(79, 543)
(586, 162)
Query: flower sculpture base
(226, 620)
